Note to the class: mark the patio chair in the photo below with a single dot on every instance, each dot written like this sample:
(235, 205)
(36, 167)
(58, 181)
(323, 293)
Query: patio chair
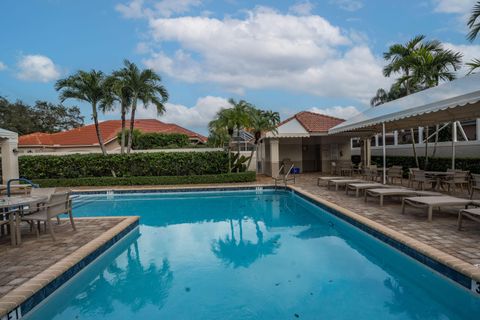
(410, 176)
(7, 223)
(459, 178)
(434, 202)
(58, 204)
(395, 172)
(473, 214)
(475, 184)
(421, 179)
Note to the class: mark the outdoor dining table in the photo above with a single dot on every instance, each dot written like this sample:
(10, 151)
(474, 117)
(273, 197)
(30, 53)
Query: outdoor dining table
(13, 209)
(438, 176)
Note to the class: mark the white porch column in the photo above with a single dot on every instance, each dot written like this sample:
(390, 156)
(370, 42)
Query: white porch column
(478, 129)
(420, 135)
(454, 141)
(366, 152)
(395, 138)
(274, 156)
(9, 159)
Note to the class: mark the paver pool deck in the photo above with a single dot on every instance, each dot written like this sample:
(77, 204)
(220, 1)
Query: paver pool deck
(22, 264)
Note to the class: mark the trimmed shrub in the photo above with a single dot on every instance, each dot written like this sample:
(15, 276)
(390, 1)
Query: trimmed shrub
(435, 164)
(249, 176)
(128, 165)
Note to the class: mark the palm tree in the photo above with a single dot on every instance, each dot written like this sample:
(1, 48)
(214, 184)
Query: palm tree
(398, 55)
(116, 91)
(239, 115)
(473, 65)
(261, 121)
(474, 22)
(144, 85)
(88, 87)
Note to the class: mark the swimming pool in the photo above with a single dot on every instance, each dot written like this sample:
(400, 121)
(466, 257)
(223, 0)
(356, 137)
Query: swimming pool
(248, 255)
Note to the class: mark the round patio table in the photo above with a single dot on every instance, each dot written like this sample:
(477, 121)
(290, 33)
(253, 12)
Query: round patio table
(12, 207)
(438, 176)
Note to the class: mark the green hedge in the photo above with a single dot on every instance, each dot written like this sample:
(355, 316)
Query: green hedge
(249, 176)
(131, 165)
(154, 140)
(435, 164)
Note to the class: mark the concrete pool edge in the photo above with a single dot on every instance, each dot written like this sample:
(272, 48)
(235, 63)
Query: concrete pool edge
(462, 272)
(21, 300)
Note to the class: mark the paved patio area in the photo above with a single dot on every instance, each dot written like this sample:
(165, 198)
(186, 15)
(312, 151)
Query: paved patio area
(20, 264)
(441, 233)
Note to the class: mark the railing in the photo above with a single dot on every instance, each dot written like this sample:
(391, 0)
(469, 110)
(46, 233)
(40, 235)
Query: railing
(9, 182)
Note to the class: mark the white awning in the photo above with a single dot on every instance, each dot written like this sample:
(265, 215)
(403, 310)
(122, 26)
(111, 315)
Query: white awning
(452, 101)
(8, 134)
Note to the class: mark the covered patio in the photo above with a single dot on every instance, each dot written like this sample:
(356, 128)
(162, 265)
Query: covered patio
(9, 152)
(446, 104)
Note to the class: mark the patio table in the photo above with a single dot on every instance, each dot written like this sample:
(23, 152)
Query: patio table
(12, 207)
(438, 176)
(25, 188)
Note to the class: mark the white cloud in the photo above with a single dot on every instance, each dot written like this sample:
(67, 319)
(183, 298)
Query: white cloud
(461, 7)
(302, 8)
(337, 111)
(469, 52)
(35, 67)
(267, 49)
(165, 8)
(348, 5)
(195, 118)
(3, 66)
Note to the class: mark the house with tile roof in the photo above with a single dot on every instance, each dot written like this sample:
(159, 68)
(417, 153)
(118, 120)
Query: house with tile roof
(303, 139)
(84, 139)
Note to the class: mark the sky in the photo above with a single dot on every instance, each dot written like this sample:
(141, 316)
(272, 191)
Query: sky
(286, 56)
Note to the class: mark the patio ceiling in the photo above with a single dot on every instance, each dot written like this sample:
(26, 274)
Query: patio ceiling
(452, 101)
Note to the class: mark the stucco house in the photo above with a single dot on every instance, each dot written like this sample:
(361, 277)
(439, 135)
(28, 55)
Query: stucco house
(84, 139)
(304, 140)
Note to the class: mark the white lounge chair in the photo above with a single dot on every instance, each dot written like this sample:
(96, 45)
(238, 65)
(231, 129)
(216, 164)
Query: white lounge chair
(340, 182)
(473, 214)
(325, 179)
(59, 203)
(434, 202)
(362, 186)
(381, 193)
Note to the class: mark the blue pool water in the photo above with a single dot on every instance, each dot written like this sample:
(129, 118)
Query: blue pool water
(242, 255)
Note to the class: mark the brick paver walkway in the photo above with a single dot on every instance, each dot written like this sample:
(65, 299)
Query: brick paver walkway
(441, 233)
(19, 264)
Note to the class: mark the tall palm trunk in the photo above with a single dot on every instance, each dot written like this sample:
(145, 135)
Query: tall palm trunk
(254, 150)
(122, 140)
(436, 142)
(132, 125)
(99, 134)
(97, 129)
(414, 149)
(238, 148)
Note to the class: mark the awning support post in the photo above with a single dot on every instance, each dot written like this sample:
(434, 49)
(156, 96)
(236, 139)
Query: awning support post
(454, 140)
(384, 154)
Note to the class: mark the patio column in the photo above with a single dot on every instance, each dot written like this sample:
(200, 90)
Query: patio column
(384, 150)
(478, 129)
(454, 140)
(9, 159)
(274, 156)
(395, 138)
(365, 152)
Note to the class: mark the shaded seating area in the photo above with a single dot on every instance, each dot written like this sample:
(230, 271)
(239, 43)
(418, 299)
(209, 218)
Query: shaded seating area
(41, 205)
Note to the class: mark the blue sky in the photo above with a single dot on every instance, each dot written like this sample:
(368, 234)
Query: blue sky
(288, 56)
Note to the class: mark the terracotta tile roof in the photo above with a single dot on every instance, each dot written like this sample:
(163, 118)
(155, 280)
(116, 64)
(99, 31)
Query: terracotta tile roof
(314, 122)
(86, 135)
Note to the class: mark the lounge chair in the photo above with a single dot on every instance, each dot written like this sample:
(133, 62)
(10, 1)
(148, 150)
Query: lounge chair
(59, 203)
(475, 184)
(434, 202)
(325, 179)
(340, 182)
(284, 175)
(358, 187)
(473, 214)
(381, 193)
